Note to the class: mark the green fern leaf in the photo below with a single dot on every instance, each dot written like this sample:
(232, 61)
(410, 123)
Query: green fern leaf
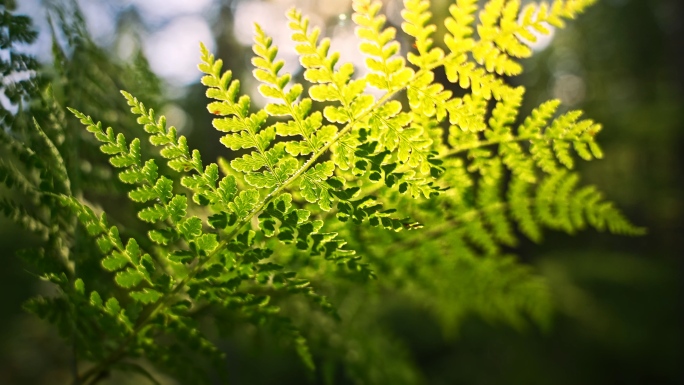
(146, 296)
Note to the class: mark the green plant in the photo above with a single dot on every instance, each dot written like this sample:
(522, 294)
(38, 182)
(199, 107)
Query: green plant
(441, 185)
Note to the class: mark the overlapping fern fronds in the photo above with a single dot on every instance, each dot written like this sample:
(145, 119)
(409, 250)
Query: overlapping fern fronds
(244, 236)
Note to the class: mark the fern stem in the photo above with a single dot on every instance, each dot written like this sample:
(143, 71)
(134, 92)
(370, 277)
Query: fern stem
(450, 224)
(269, 165)
(483, 143)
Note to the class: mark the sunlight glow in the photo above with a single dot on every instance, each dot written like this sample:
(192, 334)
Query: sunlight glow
(173, 50)
(171, 8)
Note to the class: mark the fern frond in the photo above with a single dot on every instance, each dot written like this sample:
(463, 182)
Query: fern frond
(330, 84)
(13, 178)
(303, 123)
(246, 129)
(24, 154)
(388, 71)
(429, 97)
(560, 206)
(416, 17)
(205, 184)
(500, 40)
(511, 152)
(500, 31)
(132, 266)
(424, 94)
(467, 114)
(488, 220)
(490, 202)
(460, 42)
(205, 248)
(56, 162)
(169, 209)
(314, 178)
(282, 219)
(18, 214)
(515, 297)
(549, 144)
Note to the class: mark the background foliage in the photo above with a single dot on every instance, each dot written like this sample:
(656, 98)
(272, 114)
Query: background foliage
(619, 313)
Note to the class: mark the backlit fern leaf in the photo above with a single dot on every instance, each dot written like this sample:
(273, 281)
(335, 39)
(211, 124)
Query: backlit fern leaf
(416, 17)
(245, 129)
(304, 123)
(281, 224)
(388, 71)
(549, 144)
(498, 207)
(499, 38)
(205, 184)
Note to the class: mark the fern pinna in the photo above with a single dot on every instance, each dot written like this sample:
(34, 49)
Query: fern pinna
(415, 155)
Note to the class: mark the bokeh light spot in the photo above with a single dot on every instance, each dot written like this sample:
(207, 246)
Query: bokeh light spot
(173, 51)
